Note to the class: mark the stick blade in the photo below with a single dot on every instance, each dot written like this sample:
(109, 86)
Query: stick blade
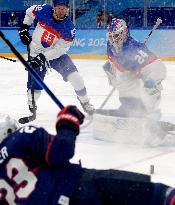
(27, 119)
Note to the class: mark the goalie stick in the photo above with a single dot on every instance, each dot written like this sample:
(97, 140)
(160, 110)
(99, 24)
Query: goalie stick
(158, 22)
(90, 117)
(32, 71)
(107, 98)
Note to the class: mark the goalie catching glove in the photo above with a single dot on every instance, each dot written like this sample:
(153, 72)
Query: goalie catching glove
(70, 117)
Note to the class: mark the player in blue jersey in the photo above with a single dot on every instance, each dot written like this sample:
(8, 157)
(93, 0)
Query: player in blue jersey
(51, 39)
(35, 169)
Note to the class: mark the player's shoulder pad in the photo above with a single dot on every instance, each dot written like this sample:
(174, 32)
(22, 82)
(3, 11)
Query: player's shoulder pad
(134, 42)
(69, 29)
(22, 135)
(42, 11)
(69, 22)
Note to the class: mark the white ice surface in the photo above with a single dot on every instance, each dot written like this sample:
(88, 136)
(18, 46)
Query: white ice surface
(93, 153)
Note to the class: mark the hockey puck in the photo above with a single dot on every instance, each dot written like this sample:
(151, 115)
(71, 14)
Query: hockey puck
(151, 169)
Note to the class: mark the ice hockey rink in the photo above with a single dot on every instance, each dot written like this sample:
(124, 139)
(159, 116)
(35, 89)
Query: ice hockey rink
(93, 153)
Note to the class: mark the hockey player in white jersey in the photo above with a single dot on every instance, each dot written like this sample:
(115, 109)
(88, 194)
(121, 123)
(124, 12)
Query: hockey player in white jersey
(137, 74)
(52, 38)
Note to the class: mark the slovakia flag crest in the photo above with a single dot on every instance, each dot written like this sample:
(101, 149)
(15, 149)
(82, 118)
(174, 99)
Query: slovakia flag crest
(47, 39)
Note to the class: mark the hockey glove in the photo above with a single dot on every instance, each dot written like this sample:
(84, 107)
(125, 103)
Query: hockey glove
(24, 34)
(38, 62)
(70, 117)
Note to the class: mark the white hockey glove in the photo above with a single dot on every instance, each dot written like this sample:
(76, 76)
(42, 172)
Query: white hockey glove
(111, 77)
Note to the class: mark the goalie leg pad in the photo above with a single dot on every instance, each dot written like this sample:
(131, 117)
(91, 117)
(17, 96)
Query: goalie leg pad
(120, 130)
(138, 131)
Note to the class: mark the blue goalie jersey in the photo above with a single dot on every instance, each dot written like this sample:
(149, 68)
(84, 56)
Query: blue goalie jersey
(133, 57)
(35, 168)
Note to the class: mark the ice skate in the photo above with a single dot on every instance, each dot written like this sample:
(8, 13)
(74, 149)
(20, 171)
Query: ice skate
(87, 107)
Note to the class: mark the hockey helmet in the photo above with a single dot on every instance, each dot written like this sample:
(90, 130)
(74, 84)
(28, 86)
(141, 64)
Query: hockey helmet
(61, 2)
(117, 32)
(7, 125)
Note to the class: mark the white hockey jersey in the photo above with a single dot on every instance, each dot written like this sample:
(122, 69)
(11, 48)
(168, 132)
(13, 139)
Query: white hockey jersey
(50, 37)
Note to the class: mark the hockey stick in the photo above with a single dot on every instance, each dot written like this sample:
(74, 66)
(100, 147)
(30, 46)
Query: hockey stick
(98, 110)
(107, 98)
(27, 119)
(158, 22)
(32, 71)
(90, 118)
(9, 59)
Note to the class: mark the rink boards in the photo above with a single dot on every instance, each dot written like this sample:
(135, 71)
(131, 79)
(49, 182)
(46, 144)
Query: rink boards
(93, 45)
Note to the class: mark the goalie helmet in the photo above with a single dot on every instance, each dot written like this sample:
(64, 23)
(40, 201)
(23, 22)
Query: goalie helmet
(7, 125)
(61, 2)
(117, 32)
